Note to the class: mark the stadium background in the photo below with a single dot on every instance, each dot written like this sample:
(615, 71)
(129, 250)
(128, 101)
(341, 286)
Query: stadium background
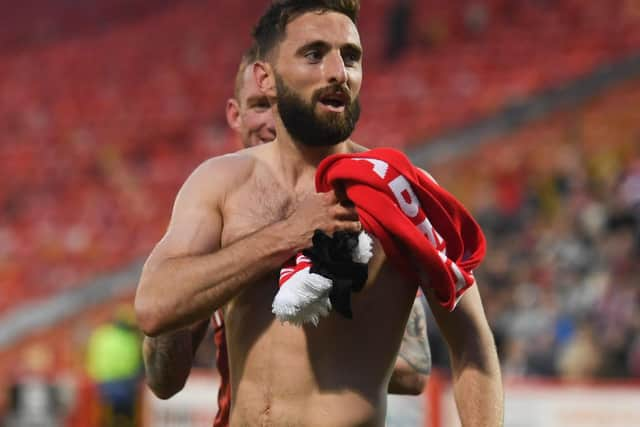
(527, 110)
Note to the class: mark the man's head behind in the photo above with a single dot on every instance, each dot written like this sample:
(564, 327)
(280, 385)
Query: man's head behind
(249, 112)
(310, 67)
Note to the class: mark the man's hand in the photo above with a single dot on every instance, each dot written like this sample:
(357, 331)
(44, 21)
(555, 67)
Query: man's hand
(321, 211)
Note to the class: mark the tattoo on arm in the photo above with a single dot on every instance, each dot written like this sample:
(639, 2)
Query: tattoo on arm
(415, 344)
(168, 360)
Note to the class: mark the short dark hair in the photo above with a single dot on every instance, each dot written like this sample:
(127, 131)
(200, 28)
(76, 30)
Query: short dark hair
(249, 57)
(271, 27)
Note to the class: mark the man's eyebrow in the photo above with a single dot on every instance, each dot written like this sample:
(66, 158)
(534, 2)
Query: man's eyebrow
(256, 99)
(316, 44)
(352, 48)
(323, 45)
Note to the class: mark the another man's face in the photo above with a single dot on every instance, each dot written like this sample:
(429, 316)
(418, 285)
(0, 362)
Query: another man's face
(251, 115)
(318, 74)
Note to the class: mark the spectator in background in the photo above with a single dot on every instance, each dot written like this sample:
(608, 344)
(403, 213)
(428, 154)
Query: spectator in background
(476, 18)
(34, 398)
(629, 194)
(114, 363)
(398, 25)
(581, 358)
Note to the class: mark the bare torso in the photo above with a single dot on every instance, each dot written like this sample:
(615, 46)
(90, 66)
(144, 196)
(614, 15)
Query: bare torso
(335, 374)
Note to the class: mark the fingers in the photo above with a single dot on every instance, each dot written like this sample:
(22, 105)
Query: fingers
(349, 226)
(338, 196)
(345, 213)
(334, 213)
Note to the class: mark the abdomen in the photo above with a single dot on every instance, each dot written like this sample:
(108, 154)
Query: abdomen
(334, 374)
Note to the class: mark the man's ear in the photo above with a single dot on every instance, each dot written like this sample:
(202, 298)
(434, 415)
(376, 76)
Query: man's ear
(265, 79)
(233, 114)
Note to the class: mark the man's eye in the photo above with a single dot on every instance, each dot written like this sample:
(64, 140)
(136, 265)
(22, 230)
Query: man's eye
(313, 55)
(351, 58)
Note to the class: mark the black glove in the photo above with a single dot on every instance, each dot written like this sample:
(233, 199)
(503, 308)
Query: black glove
(331, 257)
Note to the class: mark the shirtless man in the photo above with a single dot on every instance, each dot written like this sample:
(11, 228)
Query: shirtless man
(239, 217)
(249, 114)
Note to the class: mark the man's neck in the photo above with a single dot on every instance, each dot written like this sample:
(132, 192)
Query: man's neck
(299, 161)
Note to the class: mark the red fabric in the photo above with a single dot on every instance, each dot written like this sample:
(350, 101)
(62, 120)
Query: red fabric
(222, 364)
(410, 213)
(292, 267)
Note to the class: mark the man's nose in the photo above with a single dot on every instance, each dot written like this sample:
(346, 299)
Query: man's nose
(267, 130)
(335, 70)
(270, 125)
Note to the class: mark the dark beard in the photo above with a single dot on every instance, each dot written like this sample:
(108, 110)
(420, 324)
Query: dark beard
(308, 128)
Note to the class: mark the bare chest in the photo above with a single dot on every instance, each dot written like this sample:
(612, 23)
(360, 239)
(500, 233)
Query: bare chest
(259, 202)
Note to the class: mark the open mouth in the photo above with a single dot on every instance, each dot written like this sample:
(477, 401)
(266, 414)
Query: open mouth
(335, 101)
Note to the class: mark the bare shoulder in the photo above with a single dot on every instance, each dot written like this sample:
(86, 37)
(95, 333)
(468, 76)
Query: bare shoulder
(214, 177)
(354, 147)
(196, 221)
(229, 167)
(428, 175)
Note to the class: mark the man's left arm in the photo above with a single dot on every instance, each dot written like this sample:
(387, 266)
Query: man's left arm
(413, 364)
(477, 382)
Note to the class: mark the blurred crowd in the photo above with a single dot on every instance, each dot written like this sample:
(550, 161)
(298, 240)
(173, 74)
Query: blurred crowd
(564, 279)
(560, 203)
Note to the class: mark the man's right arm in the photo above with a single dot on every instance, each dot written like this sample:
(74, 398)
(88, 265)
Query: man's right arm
(188, 275)
(174, 273)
